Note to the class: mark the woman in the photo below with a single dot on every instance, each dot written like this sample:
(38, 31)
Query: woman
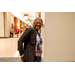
(31, 52)
(17, 32)
(11, 31)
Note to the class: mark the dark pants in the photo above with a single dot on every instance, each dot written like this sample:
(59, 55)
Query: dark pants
(25, 60)
(37, 59)
(17, 35)
(11, 34)
(38, 56)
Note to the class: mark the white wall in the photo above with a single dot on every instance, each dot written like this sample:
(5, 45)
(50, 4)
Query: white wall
(1, 24)
(59, 36)
(12, 19)
(36, 15)
(42, 33)
(7, 23)
(18, 24)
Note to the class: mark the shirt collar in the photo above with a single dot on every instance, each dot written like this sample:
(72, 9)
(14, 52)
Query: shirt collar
(35, 29)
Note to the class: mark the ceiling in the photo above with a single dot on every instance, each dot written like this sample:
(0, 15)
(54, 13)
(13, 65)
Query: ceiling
(31, 16)
(29, 13)
(21, 14)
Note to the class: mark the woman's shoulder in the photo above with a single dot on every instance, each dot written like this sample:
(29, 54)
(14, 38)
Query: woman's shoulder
(31, 28)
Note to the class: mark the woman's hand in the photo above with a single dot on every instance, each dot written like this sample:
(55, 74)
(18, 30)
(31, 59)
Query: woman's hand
(22, 58)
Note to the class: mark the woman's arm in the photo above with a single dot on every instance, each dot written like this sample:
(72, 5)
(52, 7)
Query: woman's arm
(23, 38)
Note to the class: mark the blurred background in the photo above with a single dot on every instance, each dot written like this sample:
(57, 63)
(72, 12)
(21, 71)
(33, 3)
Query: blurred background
(58, 34)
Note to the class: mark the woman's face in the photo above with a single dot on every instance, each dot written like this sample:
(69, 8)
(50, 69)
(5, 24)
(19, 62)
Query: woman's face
(37, 24)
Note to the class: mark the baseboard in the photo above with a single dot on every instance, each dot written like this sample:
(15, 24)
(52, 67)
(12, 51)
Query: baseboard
(4, 37)
(10, 37)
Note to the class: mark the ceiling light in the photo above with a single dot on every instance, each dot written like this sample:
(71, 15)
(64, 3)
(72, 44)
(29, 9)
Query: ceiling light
(25, 14)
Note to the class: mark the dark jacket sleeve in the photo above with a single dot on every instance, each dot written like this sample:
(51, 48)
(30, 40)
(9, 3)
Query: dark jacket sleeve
(22, 39)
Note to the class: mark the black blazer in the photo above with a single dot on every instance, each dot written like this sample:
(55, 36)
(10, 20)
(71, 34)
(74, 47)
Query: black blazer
(29, 40)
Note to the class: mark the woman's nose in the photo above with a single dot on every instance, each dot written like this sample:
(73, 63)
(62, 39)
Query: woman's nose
(38, 23)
